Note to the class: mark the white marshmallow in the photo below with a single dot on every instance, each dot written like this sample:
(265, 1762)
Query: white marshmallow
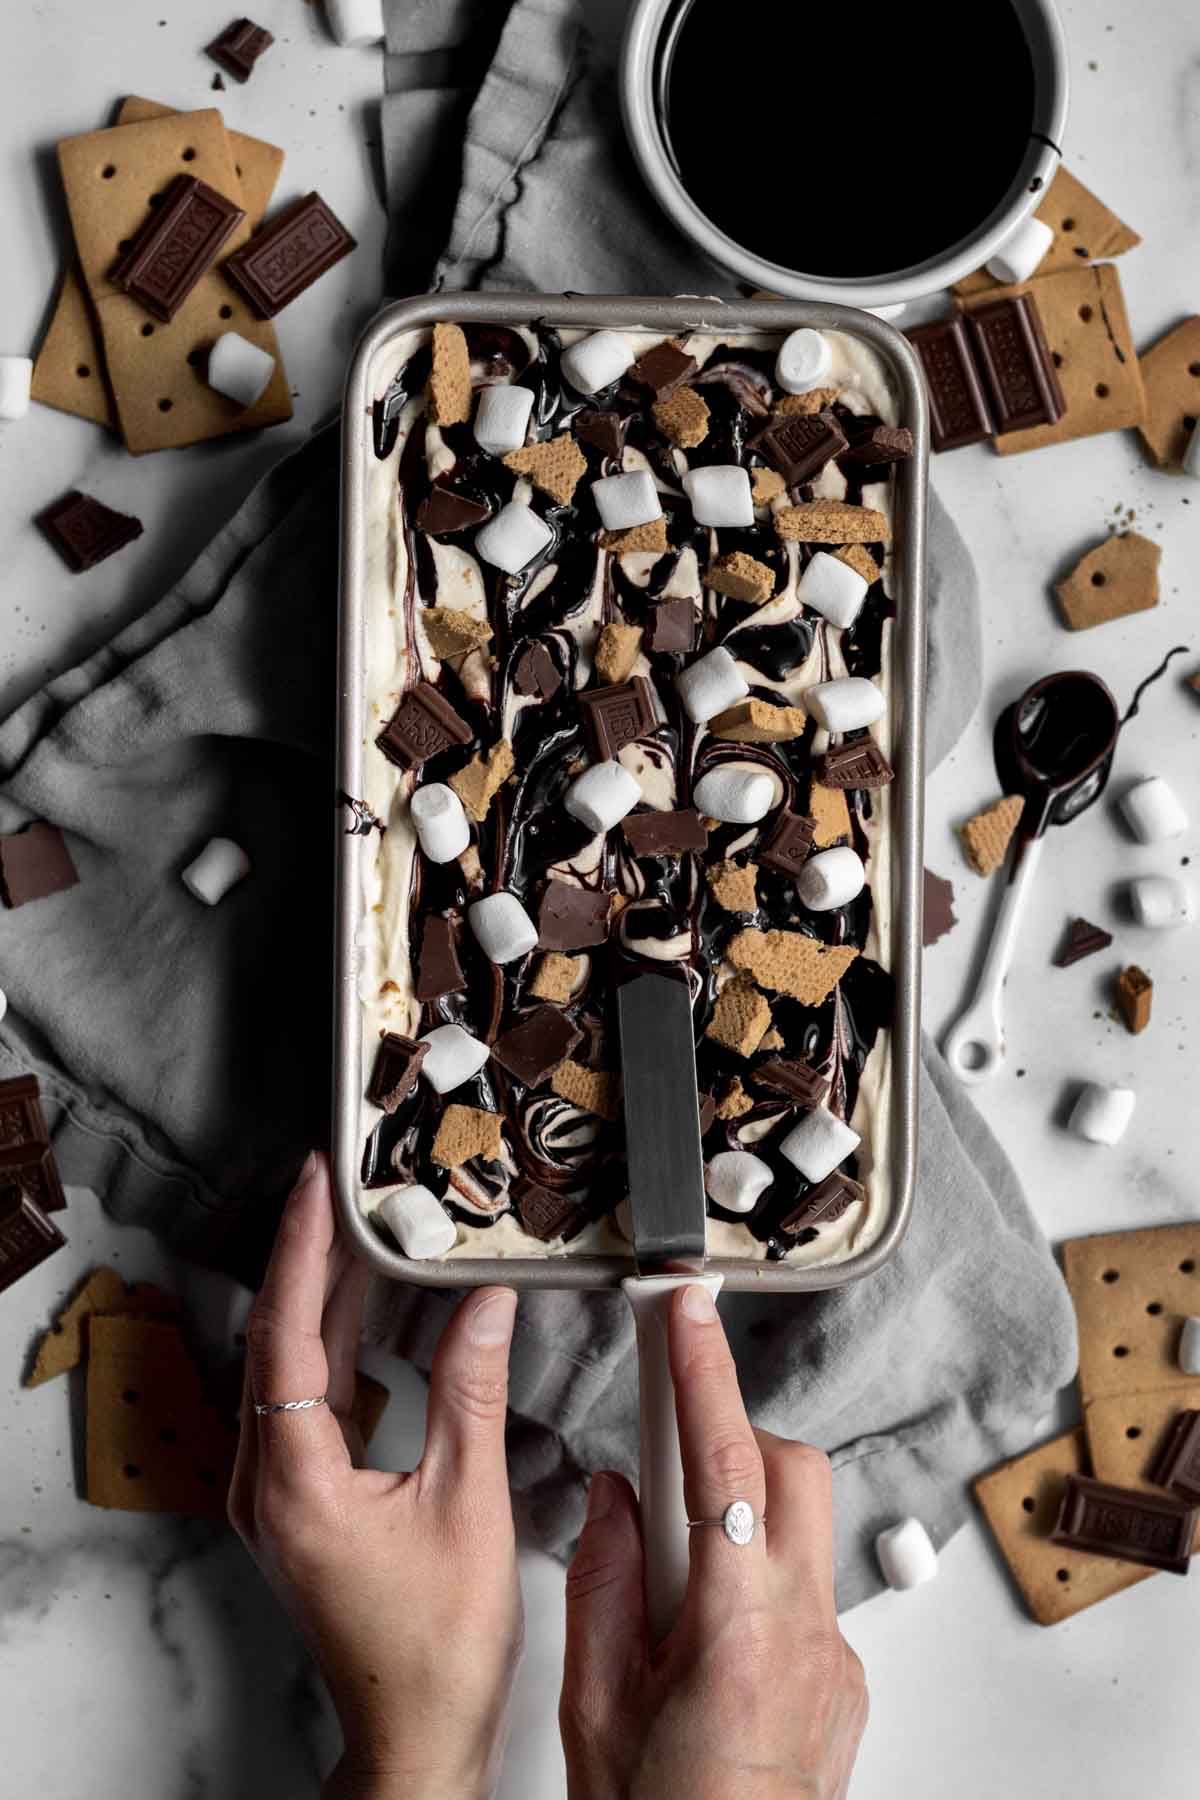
(1191, 456)
(419, 1222)
(239, 369)
(833, 589)
(454, 1057)
(888, 312)
(709, 685)
(514, 537)
(441, 824)
(3, 1003)
(602, 795)
(502, 418)
(220, 865)
(804, 362)
(735, 1179)
(1101, 1113)
(596, 362)
(626, 500)
(1189, 1347)
(906, 1555)
(1152, 811)
(831, 878)
(819, 1143)
(720, 495)
(1160, 901)
(735, 796)
(849, 704)
(355, 24)
(1021, 252)
(16, 374)
(502, 927)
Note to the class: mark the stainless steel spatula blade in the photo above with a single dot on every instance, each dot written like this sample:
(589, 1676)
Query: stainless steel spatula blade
(662, 1122)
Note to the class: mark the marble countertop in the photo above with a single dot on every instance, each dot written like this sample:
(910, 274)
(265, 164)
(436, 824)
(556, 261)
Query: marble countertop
(136, 1656)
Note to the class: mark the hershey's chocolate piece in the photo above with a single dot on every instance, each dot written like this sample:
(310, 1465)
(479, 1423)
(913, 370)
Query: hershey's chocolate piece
(857, 763)
(798, 1080)
(178, 244)
(593, 1051)
(788, 846)
(823, 1204)
(1132, 1526)
(602, 430)
(439, 971)
(397, 1066)
(546, 1214)
(1135, 996)
(617, 715)
(1178, 1466)
(288, 255)
(671, 627)
(34, 863)
(533, 1049)
(708, 1112)
(1014, 357)
(1082, 939)
(536, 672)
(422, 725)
(881, 444)
(664, 833)
(958, 410)
(442, 512)
(571, 917)
(800, 444)
(937, 914)
(27, 1236)
(84, 531)
(239, 47)
(32, 1168)
(21, 1118)
(663, 368)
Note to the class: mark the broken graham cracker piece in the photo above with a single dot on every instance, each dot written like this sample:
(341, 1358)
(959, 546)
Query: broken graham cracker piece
(1085, 230)
(453, 633)
(555, 977)
(482, 778)
(1135, 996)
(986, 837)
(858, 558)
(103, 1292)
(1171, 380)
(758, 722)
(791, 962)
(595, 1090)
(741, 1017)
(734, 1101)
(682, 417)
(554, 467)
(742, 577)
(464, 1133)
(734, 885)
(829, 811)
(805, 405)
(448, 394)
(832, 522)
(1112, 580)
(1020, 1501)
(617, 652)
(766, 485)
(650, 536)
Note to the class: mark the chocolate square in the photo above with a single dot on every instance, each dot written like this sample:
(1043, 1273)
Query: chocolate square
(671, 628)
(285, 257)
(536, 672)
(422, 726)
(1083, 939)
(397, 1065)
(875, 448)
(32, 1168)
(27, 1236)
(1178, 1466)
(178, 243)
(958, 410)
(1014, 357)
(617, 715)
(798, 1080)
(799, 445)
(857, 763)
(34, 863)
(824, 1203)
(602, 430)
(439, 971)
(664, 833)
(788, 846)
(442, 512)
(663, 368)
(85, 531)
(545, 1214)
(572, 918)
(239, 47)
(533, 1049)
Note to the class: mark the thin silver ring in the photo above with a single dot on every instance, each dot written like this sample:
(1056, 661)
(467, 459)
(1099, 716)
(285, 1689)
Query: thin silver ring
(738, 1522)
(290, 1405)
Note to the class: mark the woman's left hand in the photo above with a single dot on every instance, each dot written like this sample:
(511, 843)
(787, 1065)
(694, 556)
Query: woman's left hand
(404, 1585)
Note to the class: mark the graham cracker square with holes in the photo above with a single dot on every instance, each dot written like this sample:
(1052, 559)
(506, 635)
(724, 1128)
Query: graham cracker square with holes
(1085, 230)
(1171, 377)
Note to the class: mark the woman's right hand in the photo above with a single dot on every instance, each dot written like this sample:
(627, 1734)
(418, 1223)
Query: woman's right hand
(755, 1693)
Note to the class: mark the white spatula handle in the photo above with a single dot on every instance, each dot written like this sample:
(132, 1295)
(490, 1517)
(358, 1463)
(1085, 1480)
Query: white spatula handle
(974, 1045)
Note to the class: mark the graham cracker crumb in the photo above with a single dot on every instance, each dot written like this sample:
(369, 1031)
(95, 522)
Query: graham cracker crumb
(466, 1132)
(1114, 579)
(555, 977)
(104, 1292)
(791, 962)
(595, 1090)
(617, 652)
(758, 722)
(453, 633)
(829, 811)
(742, 577)
(734, 1100)
(682, 417)
(815, 401)
(740, 1018)
(555, 467)
(766, 485)
(449, 394)
(832, 522)
(651, 536)
(734, 886)
(773, 1041)
(856, 557)
(1135, 995)
(986, 837)
(482, 778)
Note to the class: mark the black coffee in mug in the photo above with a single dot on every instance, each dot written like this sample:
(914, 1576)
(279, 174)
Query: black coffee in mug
(851, 139)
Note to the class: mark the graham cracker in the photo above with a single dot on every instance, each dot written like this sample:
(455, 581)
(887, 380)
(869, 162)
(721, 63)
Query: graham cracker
(986, 837)
(758, 722)
(595, 1090)
(766, 485)
(162, 398)
(555, 977)
(1134, 995)
(742, 577)
(1171, 379)
(791, 962)
(448, 399)
(1020, 1501)
(452, 632)
(1084, 231)
(829, 811)
(466, 1132)
(682, 417)
(651, 536)
(856, 557)
(832, 522)
(774, 1040)
(1115, 578)
(1087, 329)
(617, 652)
(1115, 1279)
(482, 778)
(741, 1017)
(555, 467)
(734, 885)
(735, 1101)
(806, 405)
(103, 1292)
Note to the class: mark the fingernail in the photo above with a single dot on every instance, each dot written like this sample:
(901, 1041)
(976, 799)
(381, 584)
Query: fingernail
(491, 1320)
(699, 1305)
(602, 1494)
(307, 1172)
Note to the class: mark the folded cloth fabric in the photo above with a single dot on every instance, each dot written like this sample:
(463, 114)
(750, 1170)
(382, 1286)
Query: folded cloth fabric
(184, 1050)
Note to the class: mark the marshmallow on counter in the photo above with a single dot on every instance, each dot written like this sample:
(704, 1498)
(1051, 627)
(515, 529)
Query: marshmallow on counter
(513, 538)
(1101, 1114)
(596, 362)
(850, 703)
(720, 495)
(220, 865)
(418, 1221)
(734, 795)
(710, 685)
(602, 795)
(906, 1555)
(1189, 1347)
(454, 1056)
(735, 1179)
(1020, 253)
(502, 417)
(1191, 456)
(805, 361)
(502, 927)
(355, 24)
(441, 824)
(819, 1143)
(1152, 811)
(626, 500)
(3, 1003)
(16, 374)
(239, 369)
(1161, 901)
(831, 878)
(832, 588)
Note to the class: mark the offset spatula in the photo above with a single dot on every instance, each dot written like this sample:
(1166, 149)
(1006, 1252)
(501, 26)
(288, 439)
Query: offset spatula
(666, 1194)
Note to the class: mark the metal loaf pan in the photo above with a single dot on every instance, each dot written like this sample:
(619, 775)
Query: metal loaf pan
(370, 370)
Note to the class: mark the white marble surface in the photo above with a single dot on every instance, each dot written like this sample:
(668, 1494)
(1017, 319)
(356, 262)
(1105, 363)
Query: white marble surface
(136, 1656)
